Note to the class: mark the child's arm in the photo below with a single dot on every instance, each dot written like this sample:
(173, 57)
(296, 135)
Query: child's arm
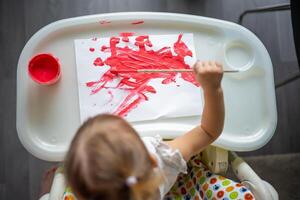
(209, 75)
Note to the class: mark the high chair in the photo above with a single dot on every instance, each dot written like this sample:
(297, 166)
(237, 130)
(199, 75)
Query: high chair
(249, 95)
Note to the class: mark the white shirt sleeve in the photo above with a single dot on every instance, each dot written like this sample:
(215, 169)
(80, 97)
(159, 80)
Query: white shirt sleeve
(45, 197)
(58, 186)
(170, 161)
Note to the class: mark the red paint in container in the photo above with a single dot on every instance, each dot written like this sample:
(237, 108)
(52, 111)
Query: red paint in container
(44, 69)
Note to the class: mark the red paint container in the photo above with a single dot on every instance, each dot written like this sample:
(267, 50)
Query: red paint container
(44, 69)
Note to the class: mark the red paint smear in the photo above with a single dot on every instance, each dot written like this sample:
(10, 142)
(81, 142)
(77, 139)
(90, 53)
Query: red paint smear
(104, 48)
(125, 36)
(137, 22)
(98, 62)
(180, 48)
(92, 49)
(124, 58)
(104, 22)
(44, 69)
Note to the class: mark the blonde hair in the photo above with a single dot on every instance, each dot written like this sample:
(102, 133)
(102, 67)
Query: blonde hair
(105, 153)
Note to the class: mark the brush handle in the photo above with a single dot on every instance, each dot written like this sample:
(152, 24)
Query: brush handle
(162, 71)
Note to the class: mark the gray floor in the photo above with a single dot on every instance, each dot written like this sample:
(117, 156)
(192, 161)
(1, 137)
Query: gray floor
(19, 19)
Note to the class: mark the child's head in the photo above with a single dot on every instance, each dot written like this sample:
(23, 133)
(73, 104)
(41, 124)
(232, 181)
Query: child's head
(107, 160)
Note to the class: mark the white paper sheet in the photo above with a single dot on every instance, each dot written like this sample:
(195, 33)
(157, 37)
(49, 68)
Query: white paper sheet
(176, 99)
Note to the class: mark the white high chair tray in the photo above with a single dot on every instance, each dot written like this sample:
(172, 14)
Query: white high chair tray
(48, 116)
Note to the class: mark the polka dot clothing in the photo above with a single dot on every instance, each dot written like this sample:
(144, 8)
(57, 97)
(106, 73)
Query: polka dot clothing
(200, 183)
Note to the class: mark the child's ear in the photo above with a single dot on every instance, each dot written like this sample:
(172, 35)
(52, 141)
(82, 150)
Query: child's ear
(153, 160)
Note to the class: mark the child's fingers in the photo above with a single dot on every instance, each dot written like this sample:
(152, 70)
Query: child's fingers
(202, 64)
(208, 67)
(198, 66)
(207, 64)
(214, 67)
(211, 63)
(219, 64)
(219, 67)
(204, 67)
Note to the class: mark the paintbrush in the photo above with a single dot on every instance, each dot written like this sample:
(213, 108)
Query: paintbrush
(162, 71)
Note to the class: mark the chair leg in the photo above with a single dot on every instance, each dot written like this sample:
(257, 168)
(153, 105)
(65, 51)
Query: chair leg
(277, 7)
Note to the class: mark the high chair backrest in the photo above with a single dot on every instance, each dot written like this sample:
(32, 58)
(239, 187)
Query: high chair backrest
(216, 159)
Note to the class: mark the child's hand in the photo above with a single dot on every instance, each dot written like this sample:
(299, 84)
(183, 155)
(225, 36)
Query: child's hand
(209, 74)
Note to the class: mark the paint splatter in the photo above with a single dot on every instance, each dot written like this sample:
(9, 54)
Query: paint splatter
(94, 39)
(137, 22)
(102, 22)
(98, 62)
(125, 36)
(137, 84)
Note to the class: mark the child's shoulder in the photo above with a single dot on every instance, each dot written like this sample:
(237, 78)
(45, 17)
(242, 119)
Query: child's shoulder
(154, 140)
(169, 161)
(164, 153)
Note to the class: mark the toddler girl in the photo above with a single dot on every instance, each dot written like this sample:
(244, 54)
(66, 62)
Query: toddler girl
(107, 159)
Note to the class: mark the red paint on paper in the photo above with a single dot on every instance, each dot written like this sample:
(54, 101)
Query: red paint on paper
(103, 48)
(136, 84)
(98, 62)
(125, 36)
(137, 22)
(180, 48)
(44, 69)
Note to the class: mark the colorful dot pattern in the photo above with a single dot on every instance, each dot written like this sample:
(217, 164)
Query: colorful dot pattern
(68, 195)
(200, 183)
